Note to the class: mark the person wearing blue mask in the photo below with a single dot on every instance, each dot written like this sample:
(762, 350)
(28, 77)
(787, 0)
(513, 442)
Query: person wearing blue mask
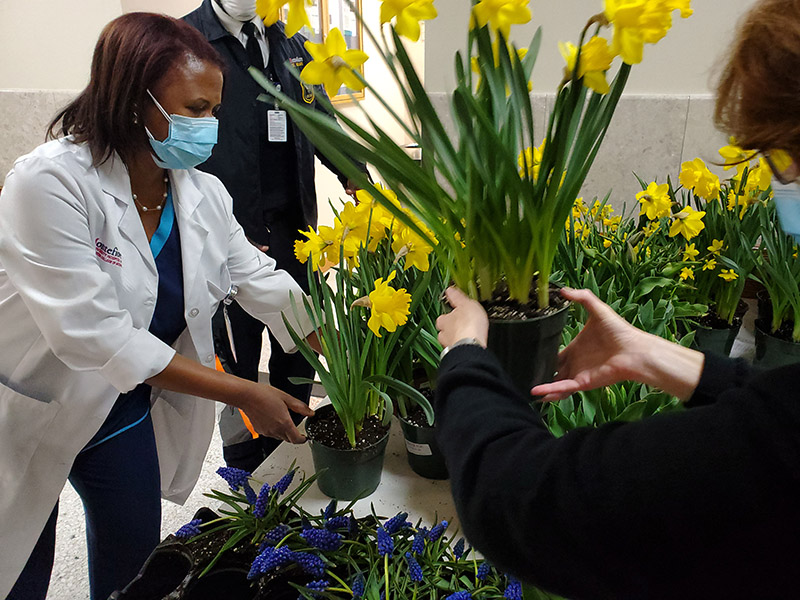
(114, 254)
(268, 166)
(699, 503)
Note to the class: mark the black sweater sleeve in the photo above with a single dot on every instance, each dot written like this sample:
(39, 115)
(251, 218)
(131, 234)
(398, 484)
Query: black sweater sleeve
(720, 374)
(674, 506)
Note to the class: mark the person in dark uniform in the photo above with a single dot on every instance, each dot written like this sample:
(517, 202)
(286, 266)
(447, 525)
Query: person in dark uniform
(267, 165)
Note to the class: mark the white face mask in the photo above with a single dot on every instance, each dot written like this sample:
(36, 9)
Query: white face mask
(241, 10)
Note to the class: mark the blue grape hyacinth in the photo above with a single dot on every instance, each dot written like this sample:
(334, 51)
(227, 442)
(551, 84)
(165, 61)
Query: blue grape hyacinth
(235, 478)
(310, 563)
(414, 570)
(358, 586)
(191, 529)
(458, 549)
(385, 542)
(284, 482)
(462, 595)
(396, 523)
(418, 545)
(513, 590)
(262, 502)
(322, 538)
(437, 531)
(483, 570)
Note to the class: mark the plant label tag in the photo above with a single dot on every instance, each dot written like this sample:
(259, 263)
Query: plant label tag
(276, 125)
(418, 449)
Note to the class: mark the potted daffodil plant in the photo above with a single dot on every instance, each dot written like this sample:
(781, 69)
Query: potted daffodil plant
(494, 204)
(362, 314)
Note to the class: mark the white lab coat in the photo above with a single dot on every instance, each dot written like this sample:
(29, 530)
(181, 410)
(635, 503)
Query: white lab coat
(78, 287)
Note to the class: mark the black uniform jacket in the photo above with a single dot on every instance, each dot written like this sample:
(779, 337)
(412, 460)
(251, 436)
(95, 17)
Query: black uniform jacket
(237, 155)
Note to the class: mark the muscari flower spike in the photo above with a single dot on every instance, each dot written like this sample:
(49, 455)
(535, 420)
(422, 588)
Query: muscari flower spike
(414, 570)
(191, 529)
(310, 563)
(358, 586)
(337, 523)
(236, 478)
(396, 523)
(276, 558)
(418, 545)
(323, 539)
(320, 585)
(513, 590)
(330, 510)
(458, 549)
(483, 570)
(284, 482)
(437, 531)
(462, 595)
(251, 496)
(276, 534)
(385, 542)
(261, 503)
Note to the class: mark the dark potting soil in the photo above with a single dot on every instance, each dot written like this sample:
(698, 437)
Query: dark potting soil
(712, 321)
(502, 308)
(326, 428)
(416, 416)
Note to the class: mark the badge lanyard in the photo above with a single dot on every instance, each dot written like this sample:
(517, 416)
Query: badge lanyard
(276, 119)
(226, 302)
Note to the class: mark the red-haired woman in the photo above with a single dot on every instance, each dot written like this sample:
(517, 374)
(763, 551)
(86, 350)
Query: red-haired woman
(114, 253)
(701, 503)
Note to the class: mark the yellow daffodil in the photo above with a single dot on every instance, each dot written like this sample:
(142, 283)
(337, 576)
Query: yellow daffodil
(690, 252)
(389, 307)
(606, 242)
(640, 22)
(270, 10)
(710, 264)
(759, 178)
(688, 223)
(502, 14)
(406, 243)
(333, 64)
(716, 247)
(408, 13)
(612, 223)
(728, 275)
(595, 60)
(686, 273)
(320, 246)
(651, 228)
(531, 158)
(655, 201)
(696, 177)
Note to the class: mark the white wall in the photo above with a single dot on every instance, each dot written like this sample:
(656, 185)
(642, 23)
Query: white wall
(681, 63)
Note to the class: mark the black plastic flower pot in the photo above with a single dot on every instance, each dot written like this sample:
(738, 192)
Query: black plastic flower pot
(346, 474)
(162, 573)
(716, 340)
(772, 351)
(528, 349)
(423, 452)
(228, 582)
(764, 305)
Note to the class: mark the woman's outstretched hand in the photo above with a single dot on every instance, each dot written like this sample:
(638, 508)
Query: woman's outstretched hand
(607, 350)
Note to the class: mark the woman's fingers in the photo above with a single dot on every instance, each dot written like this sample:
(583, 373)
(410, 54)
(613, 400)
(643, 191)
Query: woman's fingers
(556, 390)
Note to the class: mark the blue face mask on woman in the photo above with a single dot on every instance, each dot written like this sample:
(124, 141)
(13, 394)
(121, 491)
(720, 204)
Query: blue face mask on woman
(787, 202)
(189, 143)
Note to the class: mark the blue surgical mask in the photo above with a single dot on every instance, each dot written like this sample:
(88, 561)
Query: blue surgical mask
(787, 202)
(189, 143)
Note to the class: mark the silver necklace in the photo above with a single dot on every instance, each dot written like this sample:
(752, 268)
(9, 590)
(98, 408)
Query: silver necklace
(157, 207)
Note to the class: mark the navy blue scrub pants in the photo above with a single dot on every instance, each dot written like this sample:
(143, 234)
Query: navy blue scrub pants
(119, 484)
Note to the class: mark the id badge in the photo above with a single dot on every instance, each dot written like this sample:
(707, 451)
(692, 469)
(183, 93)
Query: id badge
(276, 125)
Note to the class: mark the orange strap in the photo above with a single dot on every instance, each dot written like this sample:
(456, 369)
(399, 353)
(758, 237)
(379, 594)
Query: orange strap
(245, 418)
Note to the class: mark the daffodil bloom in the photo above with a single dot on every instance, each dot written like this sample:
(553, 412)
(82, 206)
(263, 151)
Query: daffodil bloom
(595, 60)
(318, 247)
(389, 307)
(333, 64)
(688, 223)
(759, 178)
(686, 273)
(716, 247)
(728, 275)
(696, 176)
(690, 252)
(270, 10)
(655, 201)
(640, 22)
(710, 265)
(651, 228)
(502, 14)
(612, 223)
(406, 243)
(408, 13)
(531, 159)
(606, 242)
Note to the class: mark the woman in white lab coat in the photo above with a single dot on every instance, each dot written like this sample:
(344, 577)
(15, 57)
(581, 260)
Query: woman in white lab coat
(114, 253)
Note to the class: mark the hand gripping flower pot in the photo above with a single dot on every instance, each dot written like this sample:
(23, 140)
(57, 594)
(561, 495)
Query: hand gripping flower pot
(345, 473)
(528, 348)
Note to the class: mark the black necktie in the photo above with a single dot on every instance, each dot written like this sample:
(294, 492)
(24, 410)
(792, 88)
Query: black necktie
(253, 47)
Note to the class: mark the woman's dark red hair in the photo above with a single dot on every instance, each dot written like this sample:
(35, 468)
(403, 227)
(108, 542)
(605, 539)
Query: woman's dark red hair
(758, 95)
(132, 55)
